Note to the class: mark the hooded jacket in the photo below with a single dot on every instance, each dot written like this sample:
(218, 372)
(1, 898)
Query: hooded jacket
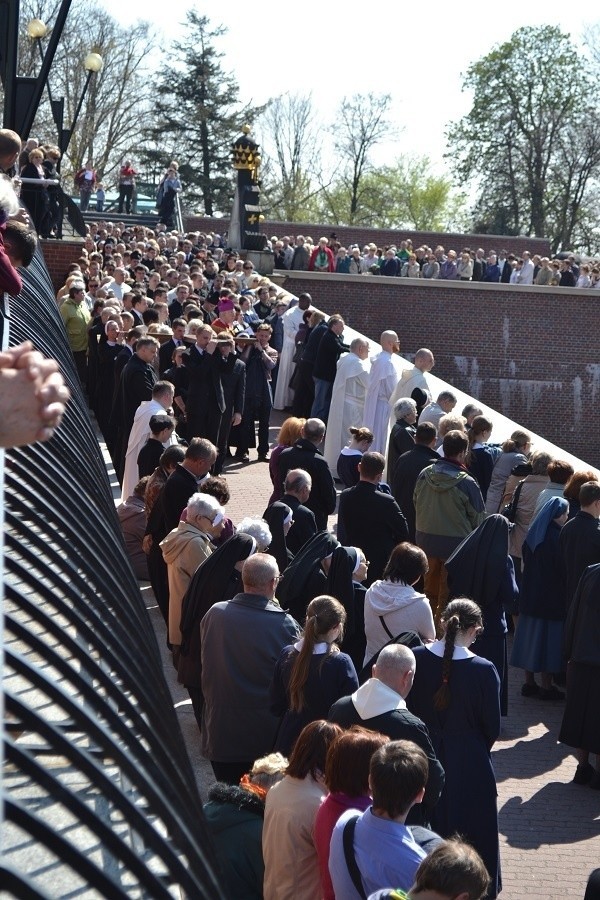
(235, 820)
(183, 550)
(448, 506)
(402, 609)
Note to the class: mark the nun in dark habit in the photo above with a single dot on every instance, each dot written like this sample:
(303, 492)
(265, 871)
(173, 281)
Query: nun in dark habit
(306, 576)
(218, 578)
(347, 571)
(481, 568)
(279, 517)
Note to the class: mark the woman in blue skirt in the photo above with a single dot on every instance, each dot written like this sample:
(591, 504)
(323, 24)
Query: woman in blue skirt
(542, 603)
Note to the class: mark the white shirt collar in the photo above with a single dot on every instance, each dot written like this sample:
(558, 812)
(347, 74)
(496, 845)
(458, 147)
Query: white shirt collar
(437, 648)
(318, 648)
(374, 698)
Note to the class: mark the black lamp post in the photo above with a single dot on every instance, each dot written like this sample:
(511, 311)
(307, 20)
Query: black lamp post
(22, 95)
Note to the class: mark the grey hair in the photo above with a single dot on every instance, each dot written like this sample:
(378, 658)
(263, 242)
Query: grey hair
(395, 658)
(258, 529)
(540, 460)
(404, 406)
(259, 570)
(357, 343)
(447, 396)
(314, 429)
(204, 505)
(296, 479)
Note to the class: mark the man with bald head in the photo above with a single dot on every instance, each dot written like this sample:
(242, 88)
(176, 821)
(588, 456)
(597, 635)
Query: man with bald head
(241, 640)
(413, 377)
(386, 371)
(379, 705)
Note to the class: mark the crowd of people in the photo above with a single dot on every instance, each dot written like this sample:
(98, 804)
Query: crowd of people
(348, 686)
(403, 261)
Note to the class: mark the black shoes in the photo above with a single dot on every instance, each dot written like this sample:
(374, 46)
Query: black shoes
(263, 457)
(551, 693)
(530, 690)
(584, 773)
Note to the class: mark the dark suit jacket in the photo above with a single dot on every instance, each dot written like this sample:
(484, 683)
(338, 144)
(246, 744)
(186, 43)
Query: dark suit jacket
(398, 725)
(304, 455)
(205, 389)
(304, 524)
(404, 477)
(137, 380)
(173, 498)
(373, 521)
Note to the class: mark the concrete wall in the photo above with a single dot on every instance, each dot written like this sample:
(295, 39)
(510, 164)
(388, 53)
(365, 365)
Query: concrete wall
(530, 353)
(382, 236)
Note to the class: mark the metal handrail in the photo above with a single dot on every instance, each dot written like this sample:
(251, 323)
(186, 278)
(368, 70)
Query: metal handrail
(98, 789)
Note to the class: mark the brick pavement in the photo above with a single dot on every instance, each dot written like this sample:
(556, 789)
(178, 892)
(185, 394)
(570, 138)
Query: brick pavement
(549, 828)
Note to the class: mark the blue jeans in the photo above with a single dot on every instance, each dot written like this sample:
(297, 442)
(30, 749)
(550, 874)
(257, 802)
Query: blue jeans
(322, 401)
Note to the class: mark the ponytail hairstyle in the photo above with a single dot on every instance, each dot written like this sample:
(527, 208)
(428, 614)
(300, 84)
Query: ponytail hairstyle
(516, 442)
(479, 426)
(459, 615)
(324, 613)
(361, 434)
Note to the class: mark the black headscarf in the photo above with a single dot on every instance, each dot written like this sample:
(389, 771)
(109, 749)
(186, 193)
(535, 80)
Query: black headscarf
(294, 587)
(478, 565)
(275, 515)
(340, 584)
(211, 581)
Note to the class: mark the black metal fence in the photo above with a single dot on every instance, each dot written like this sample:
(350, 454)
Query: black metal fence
(98, 794)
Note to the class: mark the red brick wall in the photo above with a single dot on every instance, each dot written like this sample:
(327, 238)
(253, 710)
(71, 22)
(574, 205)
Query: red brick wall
(382, 237)
(58, 256)
(533, 354)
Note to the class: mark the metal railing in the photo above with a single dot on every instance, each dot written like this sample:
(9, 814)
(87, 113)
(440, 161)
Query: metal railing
(98, 793)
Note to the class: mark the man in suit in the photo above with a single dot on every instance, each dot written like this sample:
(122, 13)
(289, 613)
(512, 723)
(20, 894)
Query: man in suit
(407, 470)
(205, 400)
(370, 519)
(137, 380)
(165, 354)
(297, 487)
(379, 705)
(305, 454)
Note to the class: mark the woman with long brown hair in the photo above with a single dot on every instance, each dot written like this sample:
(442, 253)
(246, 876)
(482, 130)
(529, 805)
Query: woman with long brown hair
(311, 674)
(457, 695)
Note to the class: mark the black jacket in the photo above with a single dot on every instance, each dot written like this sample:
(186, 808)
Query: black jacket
(580, 547)
(402, 439)
(329, 351)
(173, 498)
(304, 525)
(137, 380)
(205, 388)
(304, 455)
(404, 477)
(582, 628)
(398, 725)
(373, 521)
(165, 356)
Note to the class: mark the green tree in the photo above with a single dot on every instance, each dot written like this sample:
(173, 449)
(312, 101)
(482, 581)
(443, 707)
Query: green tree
(197, 115)
(406, 195)
(529, 117)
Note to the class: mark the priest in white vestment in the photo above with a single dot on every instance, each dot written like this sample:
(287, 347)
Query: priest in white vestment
(347, 400)
(386, 370)
(291, 321)
(413, 377)
(162, 399)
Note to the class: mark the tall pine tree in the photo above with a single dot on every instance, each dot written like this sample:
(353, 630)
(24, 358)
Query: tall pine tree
(197, 115)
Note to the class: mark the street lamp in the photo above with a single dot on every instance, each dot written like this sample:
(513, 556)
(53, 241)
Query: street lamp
(92, 63)
(36, 29)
